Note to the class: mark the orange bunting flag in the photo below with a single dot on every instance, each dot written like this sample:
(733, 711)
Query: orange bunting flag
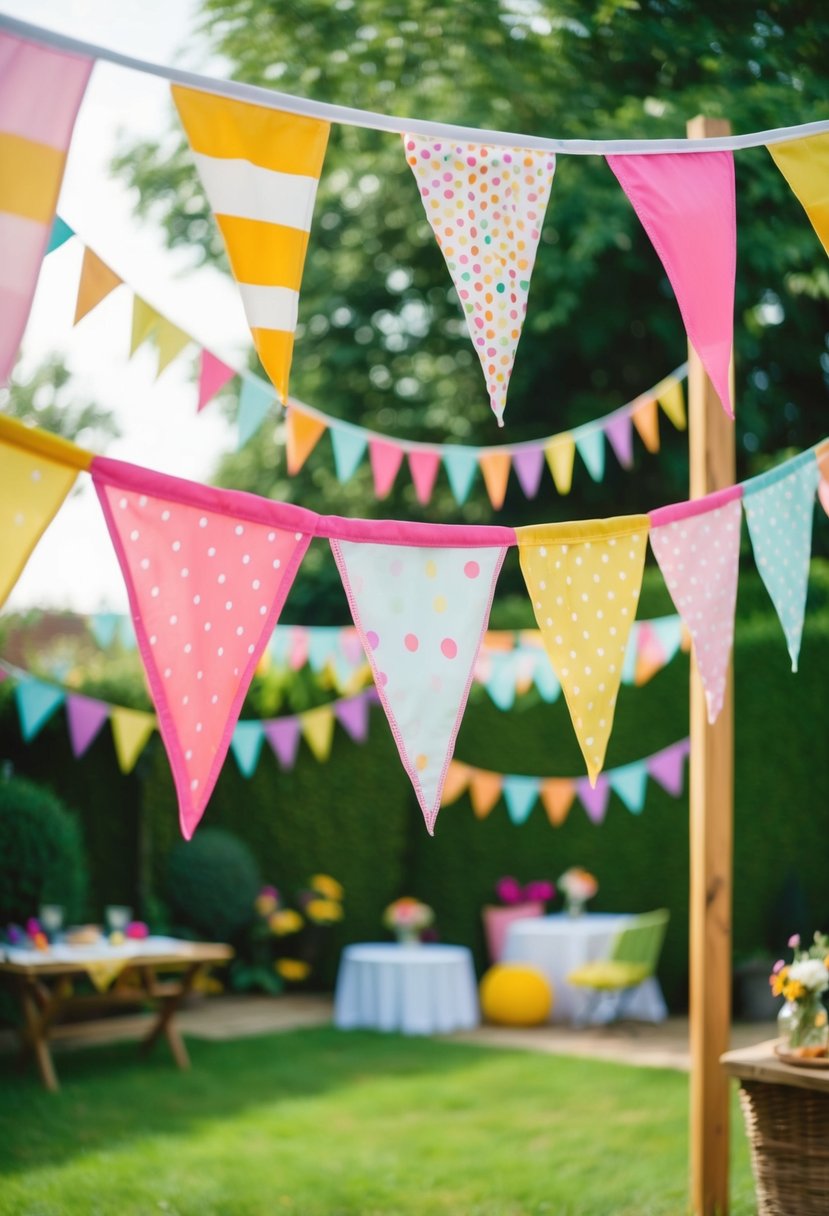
(457, 782)
(302, 433)
(646, 420)
(484, 791)
(557, 795)
(584, 581)
(805, 165)
(94, 285)
(260, 169)
(495, 467)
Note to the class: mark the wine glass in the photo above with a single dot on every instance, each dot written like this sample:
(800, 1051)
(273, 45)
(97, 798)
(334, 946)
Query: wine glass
(117, 917)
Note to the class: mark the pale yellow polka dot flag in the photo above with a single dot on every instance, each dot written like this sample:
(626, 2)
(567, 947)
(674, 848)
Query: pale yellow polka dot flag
(37, 471)
(260, 170)
(584, 581)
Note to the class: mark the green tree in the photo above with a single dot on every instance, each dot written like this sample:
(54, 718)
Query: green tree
(45, 400)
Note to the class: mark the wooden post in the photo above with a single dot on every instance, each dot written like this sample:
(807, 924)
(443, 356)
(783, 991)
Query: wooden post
(712, 467)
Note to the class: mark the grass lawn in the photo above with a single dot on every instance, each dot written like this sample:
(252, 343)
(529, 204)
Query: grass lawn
(320, 1123)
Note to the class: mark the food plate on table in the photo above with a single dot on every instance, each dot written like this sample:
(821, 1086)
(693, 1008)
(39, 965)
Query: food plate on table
(799, 1059)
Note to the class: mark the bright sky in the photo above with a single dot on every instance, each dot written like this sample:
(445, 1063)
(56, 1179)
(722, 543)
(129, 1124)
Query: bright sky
(74, 565)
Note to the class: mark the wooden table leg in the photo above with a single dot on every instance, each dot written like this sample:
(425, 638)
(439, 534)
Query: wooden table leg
(165, 1023)
(37, 1023)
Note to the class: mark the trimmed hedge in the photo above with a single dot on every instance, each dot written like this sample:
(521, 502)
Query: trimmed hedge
(356, 817)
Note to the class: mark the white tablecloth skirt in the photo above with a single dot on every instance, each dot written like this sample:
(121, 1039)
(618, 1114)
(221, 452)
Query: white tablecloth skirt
(421, 989)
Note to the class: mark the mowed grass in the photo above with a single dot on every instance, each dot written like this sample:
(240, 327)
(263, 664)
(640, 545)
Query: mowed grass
(321, 1123)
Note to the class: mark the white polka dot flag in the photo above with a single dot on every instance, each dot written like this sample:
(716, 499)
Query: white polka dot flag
(207, 572)
(697, 545)
(486, 206)
(584, 581)
(779, 507)
(37, 471)
(421, 613)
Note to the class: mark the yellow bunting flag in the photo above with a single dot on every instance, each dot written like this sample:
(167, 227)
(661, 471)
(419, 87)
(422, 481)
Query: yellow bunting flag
(560, 453)
(456, 783)
(103, 974)
(317, 726)
(495, 467)
(131, 728)
(484, 791)
(170, 341)
(94, 285)
(302, 432)
(584, 581)
(557, 795)
(37, 471)
(646, 420)
(145, 321)
(805, 165)
(670, 396)
(260, 170)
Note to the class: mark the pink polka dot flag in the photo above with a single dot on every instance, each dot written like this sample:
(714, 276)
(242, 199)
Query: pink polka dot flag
(486, 206)
(697, 545)
(207, 573)
(421, 614)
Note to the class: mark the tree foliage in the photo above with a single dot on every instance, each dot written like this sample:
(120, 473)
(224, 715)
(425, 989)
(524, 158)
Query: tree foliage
(45, 400)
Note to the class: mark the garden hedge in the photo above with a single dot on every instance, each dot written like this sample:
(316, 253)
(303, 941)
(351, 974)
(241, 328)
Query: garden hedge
(356, 817)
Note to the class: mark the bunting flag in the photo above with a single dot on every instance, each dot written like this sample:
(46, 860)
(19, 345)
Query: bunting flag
(317, 729)
(385, 459)
(40, 94)
(697, 545)
(131, 729)
(260, 169)
(255, 401)
(495, 470)
(584, 581)
(37, 471)
(246, 746)
(486, 206)
(619, 432)
(560, 454)
(207, 573)
(779, 507)
(685, 202)
(283, 736)
(302, 433)
(421, 613)
(805, 165)
(557, 794)
(349, 446)
(171, 341)
(59, 235)
(423, 466)
(85, 716)
(645, 417)
(213, 376)
(36, 703)
(145, 322)
(95, 284)
(528, 463)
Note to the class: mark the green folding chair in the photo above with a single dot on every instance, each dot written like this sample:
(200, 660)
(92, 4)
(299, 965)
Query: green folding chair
(632, 960)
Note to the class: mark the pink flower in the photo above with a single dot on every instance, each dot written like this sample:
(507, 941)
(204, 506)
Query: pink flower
(539, 890)
(136, 931)
(794, 941)
(509, 890)
(778, 966)
(33, 926)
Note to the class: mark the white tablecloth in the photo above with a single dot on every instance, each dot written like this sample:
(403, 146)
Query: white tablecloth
(558, 944)
(95, 952)
(421, 989)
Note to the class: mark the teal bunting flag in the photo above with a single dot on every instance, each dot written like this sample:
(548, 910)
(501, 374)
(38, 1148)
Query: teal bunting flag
(668, 629)
(501, 681)
(520, 794)
(631, 653)
(590, 446)
(630, 783)
(256, 399)
(246, 745)
(461, 465)
(36, 702)
(323, 644)
(546, 680)
(60, 234)
(349, 447)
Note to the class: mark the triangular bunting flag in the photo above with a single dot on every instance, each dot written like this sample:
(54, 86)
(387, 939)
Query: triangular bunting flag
(302, 433)
(349, 446)
(671, 398)
(560, 453)
(805, 165)
(779, 507)
(456, 783)
(40, 92)
(685, 203)
(594, 798)
(37, 471)
(283, 736)
(590, 446)
(495, 467)
(104, 627)
(697, 546)
(668, 767)
(557, 794)
(131, 728)
(170, 341)
(520, 794)
(645, 417)
(423, 466)
(145, 321)
(421, 614)
(317, 726)
(59, 234)
(546, 680)
(619, 434)
(322, 646)
(207, 574)
(484, 791)
(85, 717)
(501, 681)
(36, 702)
(352, 715)
(486, 206)
(630, 784)
(461, 465)
(95, 284)
(529, 465)
(584, 581)
(386, 459)
(260, 170)
(213, 376)
(246, 746)
(256, 398)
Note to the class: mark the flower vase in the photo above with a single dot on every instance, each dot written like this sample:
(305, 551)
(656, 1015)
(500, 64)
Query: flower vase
(574, 907)
(803, 1023)
(407, 937)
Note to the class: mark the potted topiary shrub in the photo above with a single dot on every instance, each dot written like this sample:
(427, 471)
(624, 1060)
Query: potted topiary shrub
(42, 858)
(212, 884)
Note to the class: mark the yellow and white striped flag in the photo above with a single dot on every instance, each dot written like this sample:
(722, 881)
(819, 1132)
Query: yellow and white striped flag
(260, 169)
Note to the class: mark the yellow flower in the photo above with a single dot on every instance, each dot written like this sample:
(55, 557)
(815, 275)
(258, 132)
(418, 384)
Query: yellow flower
(327, 886)
(285, 921)
(793, 990)
(323, 911)
(292, 968)
(778, 982)
(265, 904)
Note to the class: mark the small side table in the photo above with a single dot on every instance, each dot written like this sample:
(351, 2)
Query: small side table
(786, 1110)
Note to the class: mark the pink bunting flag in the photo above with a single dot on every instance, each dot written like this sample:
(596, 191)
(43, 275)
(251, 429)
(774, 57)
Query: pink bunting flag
(283, 735)
(85, 716)
(668, 767)
(685, 202)
(352, 715)
(423, 466)
(207, 572)
(213, 376)
(486, 206)
(421, 612)
(385, 459)
(594, 799)
(697, 545)
(619, 432)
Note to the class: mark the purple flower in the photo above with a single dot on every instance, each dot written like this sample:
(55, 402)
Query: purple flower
(794, 941)
(33, 926)
(539, 890)
(509, 890)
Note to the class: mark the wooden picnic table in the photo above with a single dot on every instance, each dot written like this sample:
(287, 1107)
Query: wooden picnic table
(45, 990)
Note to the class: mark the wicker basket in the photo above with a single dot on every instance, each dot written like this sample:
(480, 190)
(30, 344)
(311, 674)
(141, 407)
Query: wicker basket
(788, 1130)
